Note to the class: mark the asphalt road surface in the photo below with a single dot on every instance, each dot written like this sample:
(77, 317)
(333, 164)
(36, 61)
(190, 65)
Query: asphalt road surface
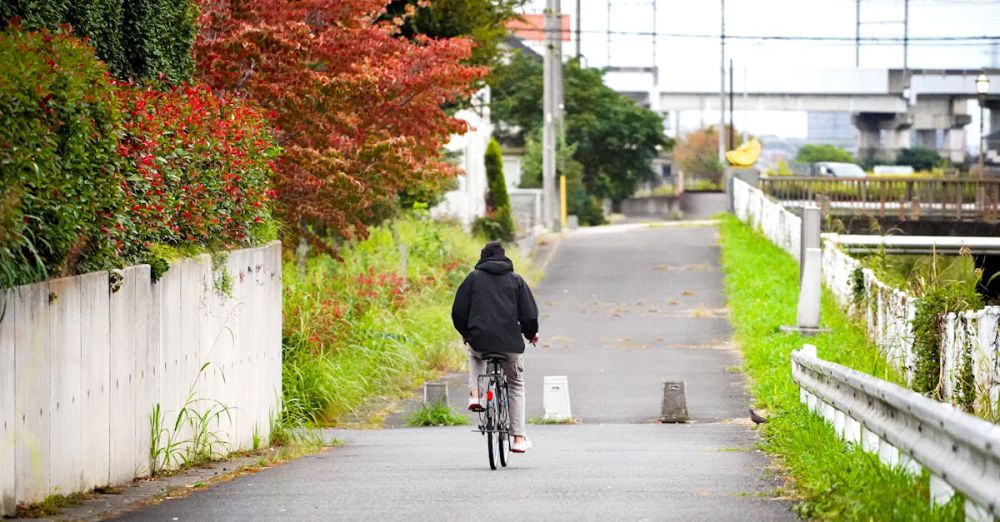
(623, 308)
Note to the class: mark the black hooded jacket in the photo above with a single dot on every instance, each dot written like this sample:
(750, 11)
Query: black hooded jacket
(494, 307)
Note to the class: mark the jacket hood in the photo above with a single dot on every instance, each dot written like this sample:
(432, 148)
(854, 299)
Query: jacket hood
(497, 264)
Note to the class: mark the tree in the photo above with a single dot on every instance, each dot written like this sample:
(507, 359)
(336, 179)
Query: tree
(484, 21)
(616, 140)
(357, 105)
(498, 222)
(698, 153)
(919, 158)
(812, 153)
(578, 201)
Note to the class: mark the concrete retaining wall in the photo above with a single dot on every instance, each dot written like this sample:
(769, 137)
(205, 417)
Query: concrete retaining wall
(664, 207)
(85, 360)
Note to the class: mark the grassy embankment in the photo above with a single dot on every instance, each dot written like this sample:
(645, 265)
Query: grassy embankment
(830, 480)
(355, 329)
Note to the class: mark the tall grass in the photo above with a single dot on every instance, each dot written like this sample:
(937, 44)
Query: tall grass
(830, 480)
(357, 328)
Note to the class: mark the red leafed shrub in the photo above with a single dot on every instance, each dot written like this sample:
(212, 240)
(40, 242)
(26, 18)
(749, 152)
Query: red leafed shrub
(201, 167)
(359, 107)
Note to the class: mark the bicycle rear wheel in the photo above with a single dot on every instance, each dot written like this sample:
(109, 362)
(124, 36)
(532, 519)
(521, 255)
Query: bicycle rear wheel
(492, 422)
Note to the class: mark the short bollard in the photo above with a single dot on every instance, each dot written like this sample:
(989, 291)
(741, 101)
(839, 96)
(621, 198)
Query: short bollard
(436, 392)
(555, 398)
(674, 406)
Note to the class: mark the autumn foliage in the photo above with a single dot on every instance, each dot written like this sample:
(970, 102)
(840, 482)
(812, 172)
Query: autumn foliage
(357, 106)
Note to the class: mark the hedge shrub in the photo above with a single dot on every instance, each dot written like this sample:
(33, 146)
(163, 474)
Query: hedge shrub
(200, 168)
(138, 39)
(498, 223)
(60, 175)
(96, 174)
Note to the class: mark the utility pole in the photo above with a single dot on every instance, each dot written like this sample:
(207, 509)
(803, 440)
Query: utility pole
(732, 128)
(906, 40)
(857, 34)
(578, 54)
(608, 63)
(552, 87)
(722, 86)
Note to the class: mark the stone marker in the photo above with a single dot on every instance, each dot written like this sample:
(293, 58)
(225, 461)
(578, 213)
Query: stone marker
(555, 398)
(436, 392)
(674, 407)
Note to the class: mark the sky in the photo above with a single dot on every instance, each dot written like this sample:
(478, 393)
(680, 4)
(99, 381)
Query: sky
(698, 56)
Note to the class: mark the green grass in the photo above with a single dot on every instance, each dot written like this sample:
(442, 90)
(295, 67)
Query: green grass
(437, 414)
(830, 481)
(355, 330)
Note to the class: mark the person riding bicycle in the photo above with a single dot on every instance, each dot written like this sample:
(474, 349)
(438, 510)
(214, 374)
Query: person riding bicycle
(493, 309)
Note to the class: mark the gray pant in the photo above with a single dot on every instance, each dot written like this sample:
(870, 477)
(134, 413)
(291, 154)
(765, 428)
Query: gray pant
(513, 368)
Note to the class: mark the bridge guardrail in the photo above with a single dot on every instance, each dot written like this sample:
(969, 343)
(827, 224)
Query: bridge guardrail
(961, 452)
(947, 198)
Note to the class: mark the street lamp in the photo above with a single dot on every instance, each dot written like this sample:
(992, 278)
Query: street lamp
(982, 87)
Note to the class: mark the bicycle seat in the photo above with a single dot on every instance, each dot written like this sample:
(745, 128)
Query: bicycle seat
(498, 356)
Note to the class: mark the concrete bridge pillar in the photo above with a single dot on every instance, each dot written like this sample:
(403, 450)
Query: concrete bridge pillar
(930, 114)
(870, 126)
(925, 138)
(993, 123)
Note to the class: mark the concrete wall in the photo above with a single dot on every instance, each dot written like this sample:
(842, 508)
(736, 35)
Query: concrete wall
(526, 209)
(665, 207)
(84, 360)
(779, 225)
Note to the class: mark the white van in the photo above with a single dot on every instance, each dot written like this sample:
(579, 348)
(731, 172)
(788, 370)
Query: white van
(837, 170)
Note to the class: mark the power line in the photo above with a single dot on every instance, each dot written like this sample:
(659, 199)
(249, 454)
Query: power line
(788, 38)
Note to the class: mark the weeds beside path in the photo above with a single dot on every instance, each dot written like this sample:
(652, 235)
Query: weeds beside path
(829, 480)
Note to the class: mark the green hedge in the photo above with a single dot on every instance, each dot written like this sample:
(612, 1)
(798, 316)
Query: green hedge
(61, 175)
(138, 39)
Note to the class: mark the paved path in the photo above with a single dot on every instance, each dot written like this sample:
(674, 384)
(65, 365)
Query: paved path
(623, 308)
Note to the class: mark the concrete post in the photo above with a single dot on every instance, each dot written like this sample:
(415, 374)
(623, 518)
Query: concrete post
(674, 406)
(812, 221)
(436, 392)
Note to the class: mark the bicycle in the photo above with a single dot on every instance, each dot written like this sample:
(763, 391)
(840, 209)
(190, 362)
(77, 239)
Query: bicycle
(494, 419)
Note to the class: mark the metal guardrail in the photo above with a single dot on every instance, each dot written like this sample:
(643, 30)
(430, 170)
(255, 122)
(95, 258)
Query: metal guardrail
(961, 199)
(961, 452)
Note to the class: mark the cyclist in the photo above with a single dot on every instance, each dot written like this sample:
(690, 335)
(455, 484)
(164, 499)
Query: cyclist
(493, 308)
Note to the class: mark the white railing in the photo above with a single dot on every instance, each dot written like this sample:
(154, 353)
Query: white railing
(85, 360)
(961, 452)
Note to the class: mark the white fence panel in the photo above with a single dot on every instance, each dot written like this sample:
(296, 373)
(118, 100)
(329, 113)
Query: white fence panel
(145, 376)
(31, 394)
(84, 361)
(96, 372)
(8, 424)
